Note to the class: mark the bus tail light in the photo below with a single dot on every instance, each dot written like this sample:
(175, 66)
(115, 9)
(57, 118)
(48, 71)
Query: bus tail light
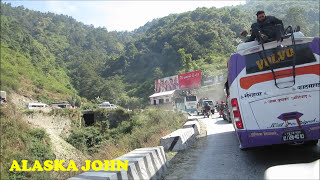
(236, 113)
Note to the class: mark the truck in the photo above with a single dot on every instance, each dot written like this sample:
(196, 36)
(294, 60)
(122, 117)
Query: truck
(201, 104)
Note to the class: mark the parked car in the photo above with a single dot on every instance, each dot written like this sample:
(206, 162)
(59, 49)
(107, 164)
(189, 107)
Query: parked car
(107, 105)
(36, 105)
(201, 104)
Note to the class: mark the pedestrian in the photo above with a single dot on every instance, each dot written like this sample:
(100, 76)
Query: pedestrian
(270, 28)
(221, 108)
(246, 36)
(217, 106)
(207, 109)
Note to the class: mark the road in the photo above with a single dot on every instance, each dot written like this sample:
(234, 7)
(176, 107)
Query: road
(217, 156)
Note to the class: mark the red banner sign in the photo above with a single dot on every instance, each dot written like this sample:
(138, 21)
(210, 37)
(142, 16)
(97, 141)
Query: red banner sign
(190, 79)
(186, 80)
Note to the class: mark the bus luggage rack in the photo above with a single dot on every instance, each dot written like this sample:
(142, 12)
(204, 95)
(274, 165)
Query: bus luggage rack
(293, 62)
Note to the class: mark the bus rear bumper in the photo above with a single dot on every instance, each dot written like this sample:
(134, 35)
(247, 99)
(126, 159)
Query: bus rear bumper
(254, 138)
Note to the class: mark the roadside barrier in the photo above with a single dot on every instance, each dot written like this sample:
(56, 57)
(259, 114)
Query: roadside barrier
(192, 118)
(178, 140)
(193, 124)
(144, 163)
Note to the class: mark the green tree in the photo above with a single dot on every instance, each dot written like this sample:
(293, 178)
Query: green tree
(185, 60)
(157, 73)
(294, 16)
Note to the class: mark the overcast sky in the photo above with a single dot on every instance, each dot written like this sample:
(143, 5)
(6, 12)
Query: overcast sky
(118, 15)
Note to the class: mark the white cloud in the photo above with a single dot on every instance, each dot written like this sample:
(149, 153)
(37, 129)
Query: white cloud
(60, 7)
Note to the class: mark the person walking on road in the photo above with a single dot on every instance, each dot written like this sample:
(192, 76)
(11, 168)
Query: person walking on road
(221, 107)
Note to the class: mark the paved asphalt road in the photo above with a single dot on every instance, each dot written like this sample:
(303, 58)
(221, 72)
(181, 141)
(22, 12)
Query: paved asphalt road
(221, 158)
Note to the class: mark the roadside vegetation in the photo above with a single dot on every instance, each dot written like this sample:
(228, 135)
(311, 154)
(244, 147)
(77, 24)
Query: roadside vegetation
(115, 133)
(118, 132)
(52, 58)
(19, 142)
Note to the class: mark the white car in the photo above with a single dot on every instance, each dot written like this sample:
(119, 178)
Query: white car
(107, 105)
(37, 105)
(294, 171)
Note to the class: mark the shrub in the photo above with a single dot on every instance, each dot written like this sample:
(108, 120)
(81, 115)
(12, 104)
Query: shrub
(86, 138)
(143, 129)
(40, 145)
(114, 117)
(28, 112)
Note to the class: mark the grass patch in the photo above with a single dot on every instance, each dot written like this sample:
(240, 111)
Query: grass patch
(21, 142)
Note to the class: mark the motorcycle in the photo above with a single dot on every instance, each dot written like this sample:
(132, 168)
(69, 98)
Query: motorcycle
(207, 113)
(226, 114)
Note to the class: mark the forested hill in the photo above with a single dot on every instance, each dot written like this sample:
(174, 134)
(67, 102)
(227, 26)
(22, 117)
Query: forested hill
(303, 13)
(61, 58)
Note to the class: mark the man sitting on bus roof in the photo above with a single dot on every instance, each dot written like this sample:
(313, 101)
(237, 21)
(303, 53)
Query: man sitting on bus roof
(270, 28)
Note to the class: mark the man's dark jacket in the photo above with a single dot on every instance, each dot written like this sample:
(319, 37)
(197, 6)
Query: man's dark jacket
(266, 27)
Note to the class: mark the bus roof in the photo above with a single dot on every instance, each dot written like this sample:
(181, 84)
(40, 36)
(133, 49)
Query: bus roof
(253, 46)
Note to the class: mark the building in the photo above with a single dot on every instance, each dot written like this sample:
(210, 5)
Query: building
(161, 97)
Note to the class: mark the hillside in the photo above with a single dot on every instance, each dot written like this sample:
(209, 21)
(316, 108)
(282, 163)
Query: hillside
(72, 61)
(52, 58)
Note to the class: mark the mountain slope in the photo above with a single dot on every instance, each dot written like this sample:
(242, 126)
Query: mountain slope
(120, 66)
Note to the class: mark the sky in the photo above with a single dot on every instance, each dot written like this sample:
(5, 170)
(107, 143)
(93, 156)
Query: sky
(118, 15)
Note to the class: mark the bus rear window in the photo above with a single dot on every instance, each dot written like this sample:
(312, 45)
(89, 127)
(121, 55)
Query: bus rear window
(256, 62)
(191, 98)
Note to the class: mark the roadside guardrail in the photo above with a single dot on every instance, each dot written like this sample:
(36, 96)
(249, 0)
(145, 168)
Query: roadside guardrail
(178, 140)
(144, 163)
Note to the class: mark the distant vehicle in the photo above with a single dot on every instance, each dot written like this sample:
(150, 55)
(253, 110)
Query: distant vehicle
(226, 113)
(201, 104)
(3, 97)
(190, 103)
(61, 105)
(107, 105)
(226, 110)
(274, 91)
(37, 105)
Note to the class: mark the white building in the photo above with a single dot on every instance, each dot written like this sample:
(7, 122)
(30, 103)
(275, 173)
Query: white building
(161, 98)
